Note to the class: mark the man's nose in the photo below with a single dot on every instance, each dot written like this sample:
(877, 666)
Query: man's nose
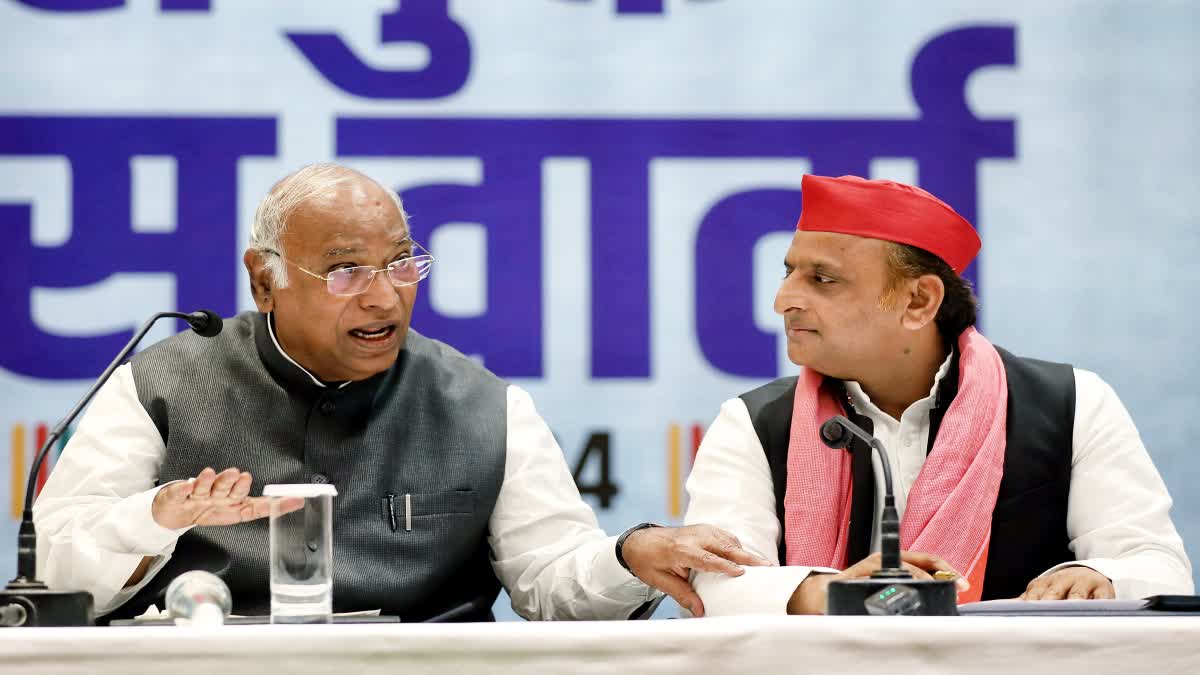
(380, 292)
(789, 296)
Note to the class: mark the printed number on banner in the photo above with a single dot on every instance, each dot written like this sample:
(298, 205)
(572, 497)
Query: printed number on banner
(597, 449)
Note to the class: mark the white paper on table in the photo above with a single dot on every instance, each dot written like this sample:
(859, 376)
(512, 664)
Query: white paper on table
(1056, 606)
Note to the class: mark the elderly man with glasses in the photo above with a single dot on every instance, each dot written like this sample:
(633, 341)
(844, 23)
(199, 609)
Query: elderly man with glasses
(449, 483)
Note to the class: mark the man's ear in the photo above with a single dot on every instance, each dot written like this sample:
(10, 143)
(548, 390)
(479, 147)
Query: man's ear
(260, 280)
(922, 301)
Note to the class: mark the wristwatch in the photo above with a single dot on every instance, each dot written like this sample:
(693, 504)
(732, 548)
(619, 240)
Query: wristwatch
(625, 535)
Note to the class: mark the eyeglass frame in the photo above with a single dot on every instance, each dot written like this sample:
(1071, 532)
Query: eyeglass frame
(374, 270)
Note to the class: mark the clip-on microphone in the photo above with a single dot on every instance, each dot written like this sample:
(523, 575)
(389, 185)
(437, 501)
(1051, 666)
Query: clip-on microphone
(890, 590)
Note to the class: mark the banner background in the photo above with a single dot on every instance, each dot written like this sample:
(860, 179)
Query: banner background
(609, 187)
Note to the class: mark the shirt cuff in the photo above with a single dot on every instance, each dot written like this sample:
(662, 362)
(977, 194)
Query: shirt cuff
(1097, 564)
(610, 573)
(136, 529)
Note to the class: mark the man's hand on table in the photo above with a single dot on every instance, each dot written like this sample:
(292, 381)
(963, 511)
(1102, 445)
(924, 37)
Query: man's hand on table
(664, 557)
(213, 498)
(1070, 583)
(813, 593)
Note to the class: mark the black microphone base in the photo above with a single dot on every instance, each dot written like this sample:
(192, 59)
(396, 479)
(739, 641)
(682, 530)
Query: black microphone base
(25, 603)
(893, 596)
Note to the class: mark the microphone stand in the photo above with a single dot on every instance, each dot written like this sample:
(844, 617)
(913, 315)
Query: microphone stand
(890, 590)
(25, 601)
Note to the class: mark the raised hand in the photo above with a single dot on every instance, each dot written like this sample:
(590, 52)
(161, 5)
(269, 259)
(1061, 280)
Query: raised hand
(212, 498)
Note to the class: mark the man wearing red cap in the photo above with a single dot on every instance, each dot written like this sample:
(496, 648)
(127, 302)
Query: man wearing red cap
(1025, 478)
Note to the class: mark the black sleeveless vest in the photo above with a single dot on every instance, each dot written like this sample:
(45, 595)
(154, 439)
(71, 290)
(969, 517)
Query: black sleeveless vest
(432, 427)
(1029, 522)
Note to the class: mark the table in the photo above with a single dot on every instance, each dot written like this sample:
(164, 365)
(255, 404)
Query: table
(763, 645)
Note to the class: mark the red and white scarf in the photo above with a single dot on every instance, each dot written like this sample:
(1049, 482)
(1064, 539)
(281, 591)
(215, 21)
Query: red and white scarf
(949, 508)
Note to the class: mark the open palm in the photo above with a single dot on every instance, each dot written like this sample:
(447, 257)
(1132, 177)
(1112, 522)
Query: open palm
(212, 498)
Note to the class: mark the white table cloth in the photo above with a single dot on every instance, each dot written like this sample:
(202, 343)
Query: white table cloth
(773, 645)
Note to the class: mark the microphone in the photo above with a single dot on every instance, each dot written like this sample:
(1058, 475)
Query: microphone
(834, 434)
(838, 432)
(205, 322)
(27, 601)
(199, 598)
(881, 594)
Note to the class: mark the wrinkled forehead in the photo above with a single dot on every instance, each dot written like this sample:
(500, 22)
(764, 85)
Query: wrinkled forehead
(353, 191)
(354, 212)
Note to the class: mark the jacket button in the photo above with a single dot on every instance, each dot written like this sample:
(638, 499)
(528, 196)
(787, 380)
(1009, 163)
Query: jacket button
(328, 407)
(319, 478)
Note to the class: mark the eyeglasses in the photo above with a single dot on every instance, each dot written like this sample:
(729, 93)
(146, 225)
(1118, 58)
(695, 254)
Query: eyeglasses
(356, 280)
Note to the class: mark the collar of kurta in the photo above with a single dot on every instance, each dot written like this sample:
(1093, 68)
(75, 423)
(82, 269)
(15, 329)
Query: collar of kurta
(860, 399)
(347, 397)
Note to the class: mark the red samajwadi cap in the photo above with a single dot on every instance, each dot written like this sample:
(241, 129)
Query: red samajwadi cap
(882, 209)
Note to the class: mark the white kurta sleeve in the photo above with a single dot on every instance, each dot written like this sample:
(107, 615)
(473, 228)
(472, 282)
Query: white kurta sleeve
(93, 516)
(730, 487)
(547, 547)
(1118, 512)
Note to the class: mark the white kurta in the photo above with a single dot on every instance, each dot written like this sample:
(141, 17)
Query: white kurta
(94, 520)
(1117, 513)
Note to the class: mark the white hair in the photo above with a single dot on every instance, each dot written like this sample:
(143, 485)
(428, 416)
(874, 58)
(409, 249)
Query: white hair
(282, 200)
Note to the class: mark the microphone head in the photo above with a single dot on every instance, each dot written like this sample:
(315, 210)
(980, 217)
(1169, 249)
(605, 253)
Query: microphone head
(205, 322)
(197, 591)
(834, 434)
